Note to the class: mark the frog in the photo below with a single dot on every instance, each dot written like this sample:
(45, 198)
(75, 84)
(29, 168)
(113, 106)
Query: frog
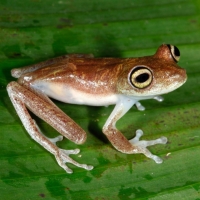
(83, 79)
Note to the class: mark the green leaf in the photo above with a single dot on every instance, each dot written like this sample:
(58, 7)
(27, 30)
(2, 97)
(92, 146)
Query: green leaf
(32, 31)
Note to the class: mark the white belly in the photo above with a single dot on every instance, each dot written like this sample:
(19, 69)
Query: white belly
(70, 95)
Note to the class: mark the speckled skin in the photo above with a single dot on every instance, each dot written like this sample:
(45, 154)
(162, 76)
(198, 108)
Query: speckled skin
(82, 79)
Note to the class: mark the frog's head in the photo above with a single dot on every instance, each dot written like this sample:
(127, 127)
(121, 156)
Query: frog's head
(153, 75)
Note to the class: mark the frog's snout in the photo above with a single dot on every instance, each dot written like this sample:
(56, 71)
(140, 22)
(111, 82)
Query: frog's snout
(183, 75)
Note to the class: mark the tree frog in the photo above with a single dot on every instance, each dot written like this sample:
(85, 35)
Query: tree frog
(83, 79)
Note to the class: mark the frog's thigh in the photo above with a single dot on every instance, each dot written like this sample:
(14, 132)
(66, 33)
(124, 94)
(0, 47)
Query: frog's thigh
(48, 112)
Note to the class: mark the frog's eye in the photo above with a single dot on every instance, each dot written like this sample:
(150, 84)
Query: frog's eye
(141, 77)
(174, 52)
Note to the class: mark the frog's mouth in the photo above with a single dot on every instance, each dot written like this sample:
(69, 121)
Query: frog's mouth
(167, 83)
(175, 81)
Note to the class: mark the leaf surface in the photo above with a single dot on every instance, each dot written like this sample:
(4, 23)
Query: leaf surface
(32, 31)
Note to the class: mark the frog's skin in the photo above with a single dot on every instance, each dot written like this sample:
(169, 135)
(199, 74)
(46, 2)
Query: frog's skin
(82, 79)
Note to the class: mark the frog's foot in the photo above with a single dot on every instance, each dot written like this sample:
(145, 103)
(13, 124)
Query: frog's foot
(139, 106)
(158, 98)
(56, 139)
(141, 145)
(62, 157)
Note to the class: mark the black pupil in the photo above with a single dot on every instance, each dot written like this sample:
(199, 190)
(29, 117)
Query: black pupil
(176, 51)
(142, 78)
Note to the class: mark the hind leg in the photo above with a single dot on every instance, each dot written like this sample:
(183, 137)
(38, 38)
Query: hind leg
(22, 99)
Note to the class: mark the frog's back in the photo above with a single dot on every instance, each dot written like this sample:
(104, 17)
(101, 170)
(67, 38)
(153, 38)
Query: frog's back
(89, 81)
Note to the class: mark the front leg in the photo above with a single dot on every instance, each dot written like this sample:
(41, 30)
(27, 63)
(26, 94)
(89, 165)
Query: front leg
(142, 108)
(120, 142)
